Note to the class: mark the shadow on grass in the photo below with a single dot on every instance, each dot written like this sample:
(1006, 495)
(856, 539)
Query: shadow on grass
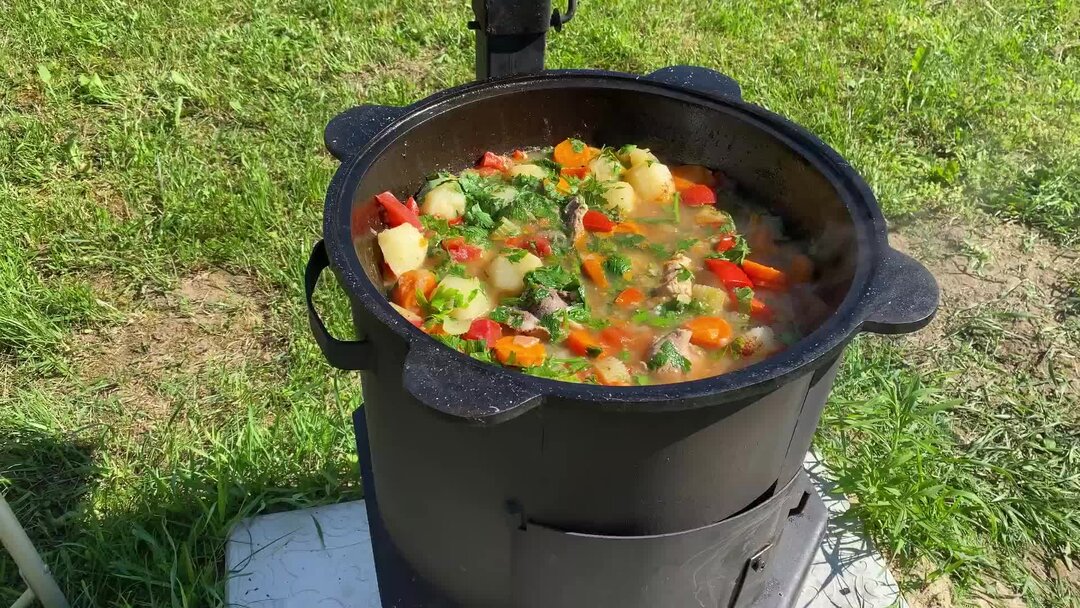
(156, 537)
(45, 479)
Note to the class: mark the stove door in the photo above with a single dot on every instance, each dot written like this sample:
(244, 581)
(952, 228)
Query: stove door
(709, 566)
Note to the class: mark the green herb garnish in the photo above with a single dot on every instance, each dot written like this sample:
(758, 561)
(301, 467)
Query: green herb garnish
(617, 265)
(744, 296)
(669, 355)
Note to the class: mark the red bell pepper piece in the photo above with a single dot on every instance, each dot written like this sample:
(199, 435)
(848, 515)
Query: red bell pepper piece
(460, 251)
(698, 196)
(578, 172)
(484, 329)
(729, 273)
(490, 160)
(540, 245)
(726, 242)
(455, 221)
(395, 212)
(594, 221)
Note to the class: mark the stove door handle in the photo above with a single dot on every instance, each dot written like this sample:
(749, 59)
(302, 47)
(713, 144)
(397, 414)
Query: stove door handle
(699, 80)
(904, 295)
(347, 133)
(342, 354)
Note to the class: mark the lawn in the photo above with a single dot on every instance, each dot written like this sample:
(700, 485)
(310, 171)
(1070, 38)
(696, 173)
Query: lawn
(161, 182)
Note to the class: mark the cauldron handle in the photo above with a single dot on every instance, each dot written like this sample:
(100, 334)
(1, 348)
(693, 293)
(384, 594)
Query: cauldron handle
(465, 389)
(699, 80)
(904, 295)
(348, 355)
(348, 132)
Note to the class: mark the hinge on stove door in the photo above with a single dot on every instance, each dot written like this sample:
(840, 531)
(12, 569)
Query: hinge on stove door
(754, 568)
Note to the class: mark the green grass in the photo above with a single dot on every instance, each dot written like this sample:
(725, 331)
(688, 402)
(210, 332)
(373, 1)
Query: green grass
(140, 143)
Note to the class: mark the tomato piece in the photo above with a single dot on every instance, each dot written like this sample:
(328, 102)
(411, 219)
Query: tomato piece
(578, 172)
(594, 221)
(540, 245)
(709, 332)
(410, 204)
(629, 297)
(519, 155)
(729, 273)
(765, 275)
(760, 311)
(460, 251)
(455, 221)
(484, 329)
(490, 160)
(567, 156)
(395, 212)
(725, 243)
(698, 196)
(584, 344)
(615, 337)
(409, 285)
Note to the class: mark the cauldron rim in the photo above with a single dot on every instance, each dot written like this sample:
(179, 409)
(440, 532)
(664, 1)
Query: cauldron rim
(869, 291)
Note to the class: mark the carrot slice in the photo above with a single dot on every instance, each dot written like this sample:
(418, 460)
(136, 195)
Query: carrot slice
(760, 273)
(567, 156)
(520, 351)
(629, 297)
(681, 183)
(695, 174)
(709, 332)
(578, 172)
(594, 269)
(628, 226)
(584, 344)
(411, 283)
(563, 185)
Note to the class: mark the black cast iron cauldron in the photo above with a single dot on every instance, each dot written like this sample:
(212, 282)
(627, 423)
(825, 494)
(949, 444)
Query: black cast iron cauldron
(500, 489)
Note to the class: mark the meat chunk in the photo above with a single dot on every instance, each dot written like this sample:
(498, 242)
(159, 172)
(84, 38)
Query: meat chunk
(677, 279)
(658, 356)
(546, 303)
(530, 325)
(573, 216)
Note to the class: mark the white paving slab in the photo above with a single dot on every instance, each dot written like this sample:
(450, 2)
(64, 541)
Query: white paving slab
(321, 558)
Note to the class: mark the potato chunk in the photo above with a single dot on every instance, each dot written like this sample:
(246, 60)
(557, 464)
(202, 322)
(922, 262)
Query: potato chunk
(509, 276)
(476, 301)
(529, 169)
(605, 168)
(652, 182)
(403, 248)
(621, 195)
(445, 201)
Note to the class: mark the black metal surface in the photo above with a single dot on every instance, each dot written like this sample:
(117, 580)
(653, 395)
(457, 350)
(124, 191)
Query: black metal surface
(511, 35)
(455, 441)
(758, 558)
(350, 355)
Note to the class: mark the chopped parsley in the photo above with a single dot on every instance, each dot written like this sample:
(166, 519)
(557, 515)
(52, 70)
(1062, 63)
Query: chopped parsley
(577, 146)
(617, 265)
(684, 274)
(744, 296)
(627, 239)
(685, 244)
(667, 355)
(476, 349)
(515, 255)
(560, 369)
(736, 254)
